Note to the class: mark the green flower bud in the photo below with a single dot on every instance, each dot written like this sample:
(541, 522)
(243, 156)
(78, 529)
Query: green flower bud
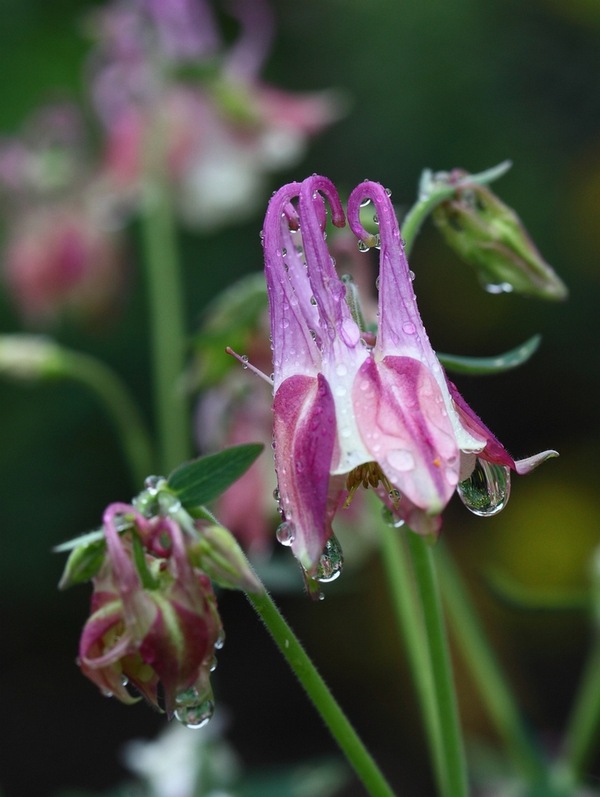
(218, 554)
(489, 235)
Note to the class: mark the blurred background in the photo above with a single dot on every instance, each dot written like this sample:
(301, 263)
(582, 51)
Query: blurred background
(419, 85)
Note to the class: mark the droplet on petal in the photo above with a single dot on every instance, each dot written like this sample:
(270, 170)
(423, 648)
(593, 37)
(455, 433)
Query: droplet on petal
(486, 491)
(286, 533)
(331, 562)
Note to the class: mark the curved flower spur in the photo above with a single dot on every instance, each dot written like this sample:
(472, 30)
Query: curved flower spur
(346, 413)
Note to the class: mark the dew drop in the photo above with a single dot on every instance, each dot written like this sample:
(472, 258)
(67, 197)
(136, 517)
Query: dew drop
(486, 491)
(286, 533)
(195, 715)
(152, 483)
(401, 459)
(411, 274)
(244, 359)
(409, 327)
(313, 301)
(220, 640)
(331, 561)
(362, 246)
(500, 287)
(375, 219)
(390, 519)
(388, 191)
(365, 201)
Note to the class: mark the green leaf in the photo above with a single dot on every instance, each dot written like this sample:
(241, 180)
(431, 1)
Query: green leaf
(491, 365)
(83, 563)
(200, 481)
(536, 598)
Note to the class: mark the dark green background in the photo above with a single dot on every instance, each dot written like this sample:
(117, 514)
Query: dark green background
(439, 84)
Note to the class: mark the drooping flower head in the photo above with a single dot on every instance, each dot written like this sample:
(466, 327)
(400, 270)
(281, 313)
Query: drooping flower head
(154, 622)
(347, 413)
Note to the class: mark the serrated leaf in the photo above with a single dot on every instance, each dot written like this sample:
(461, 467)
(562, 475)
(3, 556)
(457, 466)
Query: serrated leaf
(83, 563)
(491, 365)
(202, 480)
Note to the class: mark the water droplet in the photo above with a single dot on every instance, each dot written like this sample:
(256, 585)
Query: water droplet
(486, 491)
(195, 715)
(500, 287)
(286, 533)
(283, 252)
(220, 640)
(390, 519)
(313, 301)
(411, 274)
(401, 459)
(341, 369)
(377, 282)
(365, 201)
(244, 360)
(152, 483)
(388, 191)
(375, 219)
(331, 561)
(409, 327)
(363, 247)
(276, 494)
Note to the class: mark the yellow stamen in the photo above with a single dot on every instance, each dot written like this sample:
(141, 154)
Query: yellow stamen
(369, 475)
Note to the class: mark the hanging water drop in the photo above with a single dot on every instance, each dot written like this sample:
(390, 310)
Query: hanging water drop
(196, 715)
(331, 561)
(362, 246)
(486, 491)
(391, 520)
(286, 533)
(375, 219)
(220, 640)
(244, 360)
(365, 201)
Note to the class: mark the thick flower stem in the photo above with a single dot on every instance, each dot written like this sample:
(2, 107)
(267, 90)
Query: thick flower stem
(441, 668)
(409, 616)
(314, 685)
(131, 429)
(583, 728)
(484, 666)
(166, 310)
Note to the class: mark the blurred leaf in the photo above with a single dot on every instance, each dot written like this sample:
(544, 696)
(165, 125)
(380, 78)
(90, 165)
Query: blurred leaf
(83, 564)
(202, 480)
(534, 598)
(491, 365)
(83, 539)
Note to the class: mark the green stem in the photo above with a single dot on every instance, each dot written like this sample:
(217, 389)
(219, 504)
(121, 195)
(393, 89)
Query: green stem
(409, 617)
(131, 429)
(445, 690)
(584, 723)
(486, 671)
(333, 716)
(166, 308)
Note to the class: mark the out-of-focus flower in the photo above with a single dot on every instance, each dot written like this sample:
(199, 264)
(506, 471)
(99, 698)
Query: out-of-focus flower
(489, 236)
(154, 620)
(155, 77)
(233, 409)
(58, 260)
(347, 413)
(62, 252)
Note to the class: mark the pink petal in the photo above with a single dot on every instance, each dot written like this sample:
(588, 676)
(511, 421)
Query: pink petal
(304, 431)
(404, 425)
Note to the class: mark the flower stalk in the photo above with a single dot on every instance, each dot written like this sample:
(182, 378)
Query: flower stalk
(316, 689)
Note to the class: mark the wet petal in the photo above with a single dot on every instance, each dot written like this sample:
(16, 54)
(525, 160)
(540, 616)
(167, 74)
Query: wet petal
(404, 425)
(304, 431)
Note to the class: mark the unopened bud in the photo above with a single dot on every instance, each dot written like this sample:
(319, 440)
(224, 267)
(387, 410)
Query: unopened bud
(219, 555)
(29, 357)
(489, 235)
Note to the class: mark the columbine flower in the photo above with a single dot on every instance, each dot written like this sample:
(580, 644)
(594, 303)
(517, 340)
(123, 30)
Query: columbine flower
(347, 413)
(154, 620)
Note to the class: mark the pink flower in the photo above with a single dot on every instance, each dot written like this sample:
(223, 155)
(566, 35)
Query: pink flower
(347, 413)
(154, 621)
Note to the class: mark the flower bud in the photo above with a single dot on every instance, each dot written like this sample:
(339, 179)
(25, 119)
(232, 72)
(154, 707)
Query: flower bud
(489, 235)
(154, 621)
(218, 554)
